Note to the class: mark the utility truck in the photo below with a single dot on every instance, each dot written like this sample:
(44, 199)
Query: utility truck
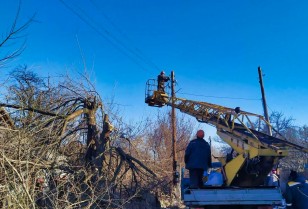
(244, 174)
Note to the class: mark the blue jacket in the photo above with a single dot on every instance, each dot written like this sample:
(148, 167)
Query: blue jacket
(198, 154)
(297, 194)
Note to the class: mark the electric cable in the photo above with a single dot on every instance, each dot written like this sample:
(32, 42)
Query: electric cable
(115, 42)
(137, 50)
(218, 97)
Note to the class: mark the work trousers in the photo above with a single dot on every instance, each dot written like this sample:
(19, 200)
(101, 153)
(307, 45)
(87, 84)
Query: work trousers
(195, 178)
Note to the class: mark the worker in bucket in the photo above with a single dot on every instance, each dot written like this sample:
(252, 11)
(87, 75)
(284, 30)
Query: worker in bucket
(197, 159)
(297, 191)
(161, 79)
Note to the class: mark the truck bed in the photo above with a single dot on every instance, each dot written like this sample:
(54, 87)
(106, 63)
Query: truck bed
(233, 196)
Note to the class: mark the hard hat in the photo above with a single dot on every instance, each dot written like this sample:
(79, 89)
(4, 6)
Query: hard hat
(162, 72)
(200, 134)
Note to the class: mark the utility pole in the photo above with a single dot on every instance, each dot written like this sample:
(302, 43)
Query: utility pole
(173, 121)
(269, 130)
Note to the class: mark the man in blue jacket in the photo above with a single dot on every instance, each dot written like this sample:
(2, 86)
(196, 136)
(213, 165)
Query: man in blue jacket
(297, 192)
(197, 159)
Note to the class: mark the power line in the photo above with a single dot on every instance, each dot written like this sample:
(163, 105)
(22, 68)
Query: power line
(218, 97)
(115, 42)
(102, 35)
(270, 108)
(137, 50)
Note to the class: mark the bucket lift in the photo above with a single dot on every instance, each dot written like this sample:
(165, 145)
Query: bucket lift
(153, 97)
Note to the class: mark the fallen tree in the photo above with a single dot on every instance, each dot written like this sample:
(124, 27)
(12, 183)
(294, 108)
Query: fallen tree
(57, 151)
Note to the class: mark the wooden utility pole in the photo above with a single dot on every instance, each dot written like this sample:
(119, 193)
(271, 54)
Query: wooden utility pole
(175, 173)
(175, 191)
(269, 130)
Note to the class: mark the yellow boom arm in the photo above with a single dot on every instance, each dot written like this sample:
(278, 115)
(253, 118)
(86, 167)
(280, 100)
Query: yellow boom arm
(257, 151)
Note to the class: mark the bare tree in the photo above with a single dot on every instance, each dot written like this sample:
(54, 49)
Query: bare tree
(281, 123)
(15, 32)
(59, 152)
(157, 153)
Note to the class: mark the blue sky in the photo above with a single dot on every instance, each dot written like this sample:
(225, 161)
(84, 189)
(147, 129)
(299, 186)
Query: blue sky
(214, 47)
